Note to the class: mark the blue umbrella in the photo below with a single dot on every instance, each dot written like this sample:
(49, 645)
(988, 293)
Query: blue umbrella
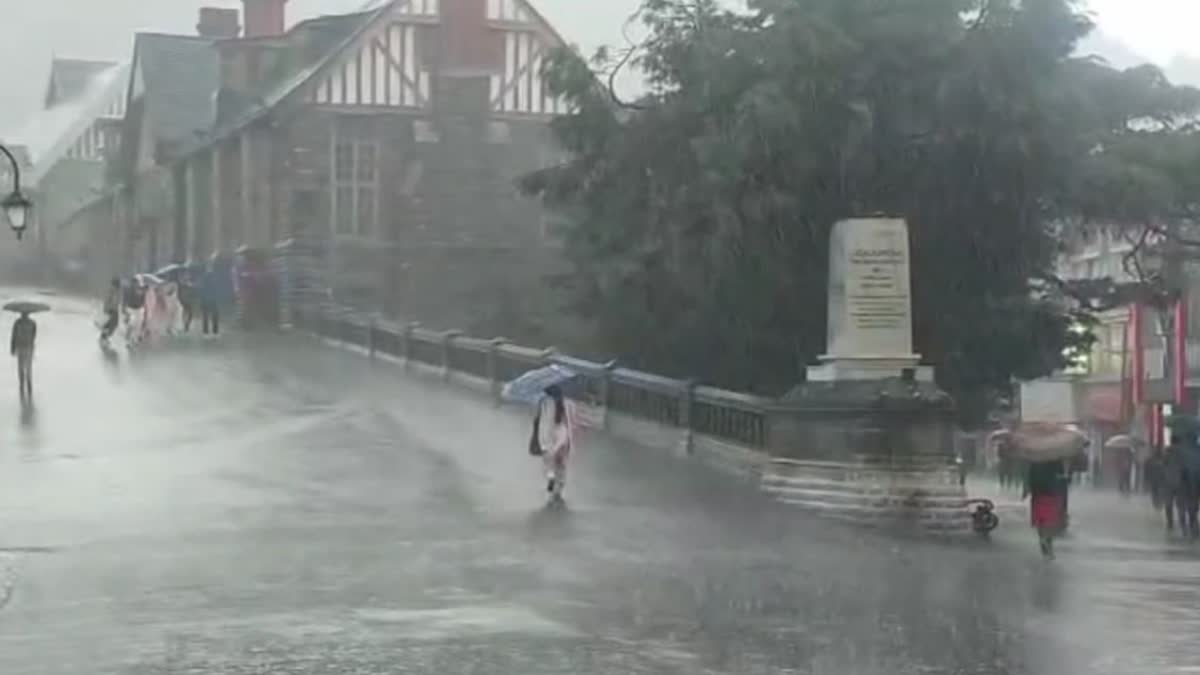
(530, 386)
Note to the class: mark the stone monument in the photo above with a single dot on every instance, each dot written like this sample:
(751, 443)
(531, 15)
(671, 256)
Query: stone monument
(869, 437)
(869, 329)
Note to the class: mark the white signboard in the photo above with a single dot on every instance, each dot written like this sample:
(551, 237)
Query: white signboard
(1048, 401)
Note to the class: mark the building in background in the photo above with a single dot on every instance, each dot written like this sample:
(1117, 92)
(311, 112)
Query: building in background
(390, 139)
(1129, 382)
(69, 145)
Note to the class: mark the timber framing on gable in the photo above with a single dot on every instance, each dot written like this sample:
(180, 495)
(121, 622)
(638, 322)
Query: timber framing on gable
(385, 66)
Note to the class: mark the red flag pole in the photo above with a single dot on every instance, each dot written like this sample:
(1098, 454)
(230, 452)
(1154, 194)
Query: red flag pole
(1179, 358)
(1138, 376)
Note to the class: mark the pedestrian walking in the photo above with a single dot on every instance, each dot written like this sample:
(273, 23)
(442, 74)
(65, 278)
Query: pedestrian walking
(1181, 484)
(1046, 485)
(133, 309)
(554, 434)
(112, 311)
(21, 345)
(187, 299)
(210, 318)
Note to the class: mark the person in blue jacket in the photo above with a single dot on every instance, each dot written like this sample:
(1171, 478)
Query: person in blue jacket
(210, 299)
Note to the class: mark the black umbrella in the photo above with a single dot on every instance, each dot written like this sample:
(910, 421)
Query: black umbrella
(26, 307)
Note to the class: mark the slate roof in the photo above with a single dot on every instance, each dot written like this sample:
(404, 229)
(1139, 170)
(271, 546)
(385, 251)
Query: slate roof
(309, 46)
(179, 75)
(48, 135)
(70, 77)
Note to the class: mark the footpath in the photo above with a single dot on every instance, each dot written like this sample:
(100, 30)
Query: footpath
(1101, 520)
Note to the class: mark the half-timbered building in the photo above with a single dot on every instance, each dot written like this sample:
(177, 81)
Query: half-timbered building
(392, 138)
(69, 143)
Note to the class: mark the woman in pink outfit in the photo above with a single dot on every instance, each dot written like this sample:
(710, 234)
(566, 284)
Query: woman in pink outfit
(555, 422)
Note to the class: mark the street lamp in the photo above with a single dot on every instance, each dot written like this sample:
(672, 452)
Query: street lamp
(16, 205)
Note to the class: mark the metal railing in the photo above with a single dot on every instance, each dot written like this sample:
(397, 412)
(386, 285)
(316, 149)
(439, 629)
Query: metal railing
(724, 415)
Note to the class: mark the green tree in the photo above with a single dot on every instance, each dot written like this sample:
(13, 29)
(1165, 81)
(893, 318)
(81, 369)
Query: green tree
(701, 212)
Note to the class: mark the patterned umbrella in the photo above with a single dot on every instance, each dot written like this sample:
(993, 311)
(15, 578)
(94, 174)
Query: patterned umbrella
(529, 386)
(1044, 441)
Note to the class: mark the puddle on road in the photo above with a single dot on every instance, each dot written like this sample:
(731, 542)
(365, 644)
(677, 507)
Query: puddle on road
(437, 624)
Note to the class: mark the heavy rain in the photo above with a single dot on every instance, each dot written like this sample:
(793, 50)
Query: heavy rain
(837, 337)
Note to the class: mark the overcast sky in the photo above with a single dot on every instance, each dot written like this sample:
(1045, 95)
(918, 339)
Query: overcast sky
(1160, 30)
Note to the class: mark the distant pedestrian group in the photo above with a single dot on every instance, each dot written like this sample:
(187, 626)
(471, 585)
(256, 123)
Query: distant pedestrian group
(150, 307)
(1175, 483)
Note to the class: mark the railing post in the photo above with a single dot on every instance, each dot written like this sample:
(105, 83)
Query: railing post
(686, 399)
(408, 343)
(493, 366)
(447, 348)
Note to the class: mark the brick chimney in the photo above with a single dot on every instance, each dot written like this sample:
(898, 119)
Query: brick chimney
(264, 18)
(218, 23)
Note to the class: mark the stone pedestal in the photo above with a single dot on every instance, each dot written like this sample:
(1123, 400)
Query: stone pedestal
(872, 452)
(869, 436)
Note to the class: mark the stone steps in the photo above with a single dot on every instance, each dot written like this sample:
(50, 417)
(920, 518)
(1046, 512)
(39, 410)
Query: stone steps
(871, 494)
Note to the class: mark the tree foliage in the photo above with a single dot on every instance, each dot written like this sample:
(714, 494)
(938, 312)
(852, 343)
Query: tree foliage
(701, 214)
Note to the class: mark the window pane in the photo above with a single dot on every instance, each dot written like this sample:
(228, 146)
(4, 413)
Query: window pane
(343, 162)
(344, 210)
(366, 162)
(366, 212)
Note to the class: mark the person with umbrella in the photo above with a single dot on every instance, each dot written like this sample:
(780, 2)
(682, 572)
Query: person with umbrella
(21, 345)
(1119, 455)
(553, 435)
(1048, 448)
(554, 425)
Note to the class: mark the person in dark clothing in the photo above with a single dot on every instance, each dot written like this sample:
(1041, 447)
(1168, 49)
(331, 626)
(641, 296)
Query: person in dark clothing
(112, 311)
(210, 318)
(24, 335)
(1181, 484)
(1046, 485)
(187, 300)
(1124, 467)
(1155, 473)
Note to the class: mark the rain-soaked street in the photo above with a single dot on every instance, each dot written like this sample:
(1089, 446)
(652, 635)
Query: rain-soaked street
(270, 505)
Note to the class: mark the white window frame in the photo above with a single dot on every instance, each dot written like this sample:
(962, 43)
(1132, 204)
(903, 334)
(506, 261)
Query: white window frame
(364, 222)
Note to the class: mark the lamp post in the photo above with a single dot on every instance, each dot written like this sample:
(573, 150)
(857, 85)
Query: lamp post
(16, 205)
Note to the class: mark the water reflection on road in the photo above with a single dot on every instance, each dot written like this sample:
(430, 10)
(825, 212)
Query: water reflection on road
(268, 505)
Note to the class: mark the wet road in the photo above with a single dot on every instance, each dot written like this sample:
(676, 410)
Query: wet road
(275, 506)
